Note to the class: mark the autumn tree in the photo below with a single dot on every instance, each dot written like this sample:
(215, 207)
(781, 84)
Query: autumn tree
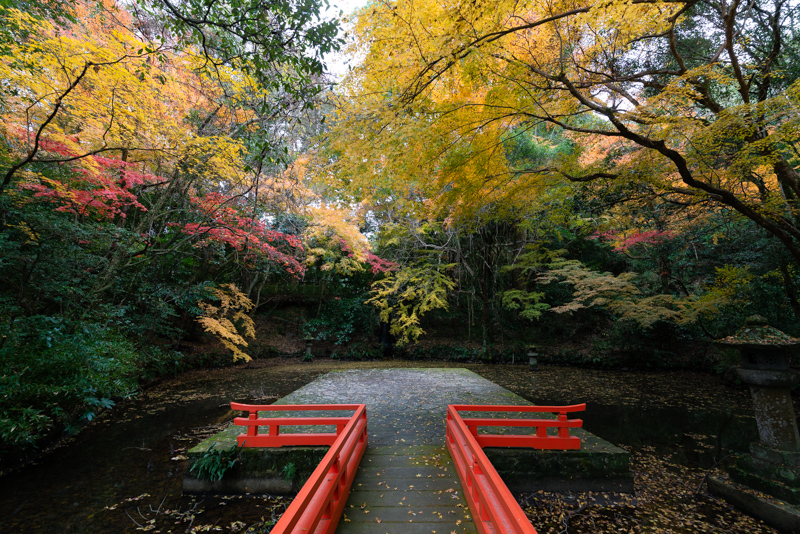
(140, 174)
(694, 98)
(679, 104)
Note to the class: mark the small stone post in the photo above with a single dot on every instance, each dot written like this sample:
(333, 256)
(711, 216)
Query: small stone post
(308, 340)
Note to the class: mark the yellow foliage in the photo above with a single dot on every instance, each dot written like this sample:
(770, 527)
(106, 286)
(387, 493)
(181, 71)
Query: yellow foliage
(447, 147)
(405, 295)
(339, 244)
(730, 288)
(229, 321)
(99, 87)
(423, 122)
(617, 293)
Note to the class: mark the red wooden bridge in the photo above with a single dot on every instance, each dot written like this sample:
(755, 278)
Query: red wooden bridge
(318, 506)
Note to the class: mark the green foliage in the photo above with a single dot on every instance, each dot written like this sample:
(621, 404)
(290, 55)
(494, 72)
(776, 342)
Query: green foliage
(736, 293)
(215, 462)
(230, 34)
(57, 374)
(528, 303)
(618, 293)
(361, 351)
(490, 213)
(532, 147)
(340, 319)
(21, 427)
(289, 471)
(439, 352)
(105, 259)
(455, 352)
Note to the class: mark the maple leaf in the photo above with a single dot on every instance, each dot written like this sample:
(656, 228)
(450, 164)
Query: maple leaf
(222, 320)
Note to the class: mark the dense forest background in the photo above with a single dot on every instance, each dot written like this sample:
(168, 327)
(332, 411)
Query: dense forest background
(183, 182)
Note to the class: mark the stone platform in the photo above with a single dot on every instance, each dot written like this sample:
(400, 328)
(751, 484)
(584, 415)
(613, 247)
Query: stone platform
(406, 482)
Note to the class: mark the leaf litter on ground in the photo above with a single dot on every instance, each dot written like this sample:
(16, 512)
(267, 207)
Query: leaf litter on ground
(666, 499)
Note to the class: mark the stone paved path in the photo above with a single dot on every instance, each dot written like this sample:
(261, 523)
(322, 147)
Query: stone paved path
(406, 483)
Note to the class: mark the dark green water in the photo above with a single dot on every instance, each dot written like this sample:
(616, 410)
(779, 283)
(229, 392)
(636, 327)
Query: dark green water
(117, 473)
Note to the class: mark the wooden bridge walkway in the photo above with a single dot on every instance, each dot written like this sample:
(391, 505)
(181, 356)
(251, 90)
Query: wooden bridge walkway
(406, 482)
(401, 489)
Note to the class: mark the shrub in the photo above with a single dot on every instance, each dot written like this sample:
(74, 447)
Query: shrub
(339, 320)
(55, 374)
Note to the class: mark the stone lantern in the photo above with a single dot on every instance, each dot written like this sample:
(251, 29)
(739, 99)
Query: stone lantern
(773, 465)
(765, 368)
(533, 358)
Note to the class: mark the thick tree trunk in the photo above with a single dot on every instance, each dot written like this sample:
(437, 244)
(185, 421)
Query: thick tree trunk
(791, 291)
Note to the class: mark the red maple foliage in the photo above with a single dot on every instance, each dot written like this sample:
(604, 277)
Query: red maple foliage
(224, 223)
(98, 185)
(376, 264)
(649, 237)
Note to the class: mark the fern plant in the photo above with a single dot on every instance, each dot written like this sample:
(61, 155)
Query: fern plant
(215, 462)
(290, 471)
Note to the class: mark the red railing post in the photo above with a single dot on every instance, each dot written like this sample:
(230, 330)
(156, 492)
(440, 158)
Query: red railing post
(253, 429)
(563, 431)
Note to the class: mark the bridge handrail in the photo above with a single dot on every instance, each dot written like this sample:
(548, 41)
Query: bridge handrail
(515, 408)
(318, 506)
(492, 505)
(275, 438)
(542, 440)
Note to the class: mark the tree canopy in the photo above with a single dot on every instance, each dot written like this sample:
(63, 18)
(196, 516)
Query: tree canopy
(646, 120)
(695, 100)
(148, 189)
(622, 173)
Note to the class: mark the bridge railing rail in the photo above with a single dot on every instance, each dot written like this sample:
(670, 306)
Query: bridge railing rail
(318, 506)
(543, 439)
(493, 507)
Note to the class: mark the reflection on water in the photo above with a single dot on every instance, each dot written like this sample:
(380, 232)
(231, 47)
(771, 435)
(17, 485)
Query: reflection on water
(120, 470)
(691, 416)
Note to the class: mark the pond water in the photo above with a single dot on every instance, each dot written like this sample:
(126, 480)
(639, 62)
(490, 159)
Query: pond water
(124, 472)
